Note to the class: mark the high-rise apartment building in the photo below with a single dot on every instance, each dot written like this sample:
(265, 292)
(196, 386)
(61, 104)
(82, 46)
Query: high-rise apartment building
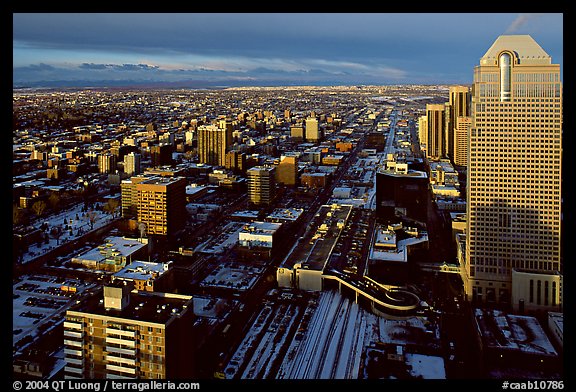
(459, 106)
(514, 184)
(106, 163)
(436, 124)
(213, 142)
(129, 335)
(132, 163)
(161, 204)
(261, 185)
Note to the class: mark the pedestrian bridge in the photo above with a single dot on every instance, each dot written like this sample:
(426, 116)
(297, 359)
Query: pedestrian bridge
(384, 300)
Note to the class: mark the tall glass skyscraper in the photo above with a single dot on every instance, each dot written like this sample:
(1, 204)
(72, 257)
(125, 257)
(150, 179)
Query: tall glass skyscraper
(514, 189)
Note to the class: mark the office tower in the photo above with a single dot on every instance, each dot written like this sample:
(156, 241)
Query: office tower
(401, 193)
(458, 106)
(436, 130)
(161, 204)
(287, 170)
(261, 185)
(106, 163)
(132, 163)
(312, 130)
(461, 136)
(161, 155)
(213, 142)
(122, 334)
(236, 161)
(423, 133)
(287, 115)
(514, 178)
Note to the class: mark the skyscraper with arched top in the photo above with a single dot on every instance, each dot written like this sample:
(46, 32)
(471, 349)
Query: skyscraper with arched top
(513, 248)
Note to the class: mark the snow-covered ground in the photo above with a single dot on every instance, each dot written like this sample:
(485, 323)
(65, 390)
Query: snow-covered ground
(37, 298)
(73, 223)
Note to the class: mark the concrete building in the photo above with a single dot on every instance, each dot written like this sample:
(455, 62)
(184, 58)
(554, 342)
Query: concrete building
(514, 175)
(436, 126)
(132, 163)
(124, 334)
(213, 143)
(262, 185)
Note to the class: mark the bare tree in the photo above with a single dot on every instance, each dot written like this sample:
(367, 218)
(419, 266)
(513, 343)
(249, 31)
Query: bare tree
(17, 215)
(39, 207)
(112, 206)
(54, 200)
(93, 217)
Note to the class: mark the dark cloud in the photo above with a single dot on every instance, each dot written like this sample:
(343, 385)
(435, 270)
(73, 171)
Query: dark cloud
(41, 67)
(277, 46)
(118, 67)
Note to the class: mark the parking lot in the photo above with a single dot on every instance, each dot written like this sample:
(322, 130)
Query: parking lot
(37, 298)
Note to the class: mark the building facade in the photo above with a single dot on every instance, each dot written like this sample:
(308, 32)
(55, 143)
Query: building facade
(312, 130)
(436, 124)
(262, 185)
(213, 143)
(459, 104)
(287, 170)
(132, 163)
(514, 176)
(161, 203)
(124, 336)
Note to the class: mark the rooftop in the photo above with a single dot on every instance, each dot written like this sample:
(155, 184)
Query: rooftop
(158, 308)
(524, 46)
(513, 332)
(141, 270)
(113, 246)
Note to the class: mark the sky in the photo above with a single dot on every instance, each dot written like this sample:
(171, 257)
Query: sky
(246, 49)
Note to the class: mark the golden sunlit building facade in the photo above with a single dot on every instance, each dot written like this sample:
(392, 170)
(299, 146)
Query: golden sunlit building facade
(514, 191)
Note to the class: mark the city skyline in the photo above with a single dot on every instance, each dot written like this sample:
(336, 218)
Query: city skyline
(247, 49)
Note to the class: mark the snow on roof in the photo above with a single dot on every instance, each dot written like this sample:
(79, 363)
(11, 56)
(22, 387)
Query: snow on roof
(514, 332)
(426, 366)
(141, 270)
